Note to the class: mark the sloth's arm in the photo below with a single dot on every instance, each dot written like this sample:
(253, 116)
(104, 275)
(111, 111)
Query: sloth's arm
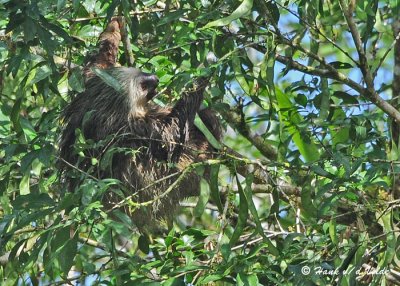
(184, 113)
(186, 108)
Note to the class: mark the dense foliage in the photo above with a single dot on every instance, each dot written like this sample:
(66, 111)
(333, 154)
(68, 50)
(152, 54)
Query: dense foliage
(308, 94)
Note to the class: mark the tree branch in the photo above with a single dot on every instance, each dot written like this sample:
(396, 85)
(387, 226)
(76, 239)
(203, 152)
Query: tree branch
(235, 121)
(99, 245)
(369, 91)
(130, 59)
(313, 27)
(332, 73)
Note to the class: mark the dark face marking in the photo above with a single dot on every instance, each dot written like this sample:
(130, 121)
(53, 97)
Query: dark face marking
(149, 83)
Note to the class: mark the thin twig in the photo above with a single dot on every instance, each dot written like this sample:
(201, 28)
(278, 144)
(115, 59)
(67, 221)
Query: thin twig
(317, 31)
(383, 58)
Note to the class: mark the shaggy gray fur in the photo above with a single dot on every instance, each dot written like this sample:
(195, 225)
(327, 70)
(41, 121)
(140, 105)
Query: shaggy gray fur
(165, 139)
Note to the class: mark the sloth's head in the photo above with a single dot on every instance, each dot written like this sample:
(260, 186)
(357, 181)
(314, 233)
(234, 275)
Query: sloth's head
(139, 86)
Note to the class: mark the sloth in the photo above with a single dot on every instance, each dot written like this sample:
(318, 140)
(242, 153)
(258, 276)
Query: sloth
(149, 145)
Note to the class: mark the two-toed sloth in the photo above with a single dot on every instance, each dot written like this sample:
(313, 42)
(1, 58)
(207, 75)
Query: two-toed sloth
(149, 143)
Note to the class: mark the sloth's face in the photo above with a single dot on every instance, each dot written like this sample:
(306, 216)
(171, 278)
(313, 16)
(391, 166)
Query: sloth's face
(149, 83)
(140, 86)
(146, 83)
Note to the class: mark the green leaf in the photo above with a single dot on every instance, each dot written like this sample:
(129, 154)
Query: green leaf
(171, 16)
(198, 233)
(67, 253)
(301, 99)
(37, 249)
(57, 29)
(237, 64)
(340, 65)
(253, 210)
(24, 184)
(30, 29)
(240, 11)
(214, 191)
(242, 215)
(28, 129)
(47, 40)
(15, 62)
(386, 220)
(15, 115)
(254, 251)
(292, 119)
(307, 203)
(26, 161)
(194, 62)
(268, 69)
(372, 8)
(123, 217)
(210, 278)
(203, 128)
(347, 98)
(343, 160)
(76, 81)
(32, 201)
(319, 171)
(31, 218)
(247, 280)
(203, 198)
(61, 4)
(17, 248)
(395, 6)
(333, 232)
(108, 79)
(143, 244)
(173, 282)
(340, 134)
(325, 100)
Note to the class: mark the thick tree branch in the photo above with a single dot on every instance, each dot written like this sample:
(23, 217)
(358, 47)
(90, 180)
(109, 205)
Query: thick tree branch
(369, 91)
(263, 181)
(396, 77)
(363, 64)
(395, 130)
(332, 73)
(312, 27)
(235, 121)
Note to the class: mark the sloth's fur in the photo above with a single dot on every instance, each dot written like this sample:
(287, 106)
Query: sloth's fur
(153, 142)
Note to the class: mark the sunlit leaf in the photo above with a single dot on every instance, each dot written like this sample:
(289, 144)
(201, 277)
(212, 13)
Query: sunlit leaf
(240, 11)
(291, 118)
(24, 187)
(203, 198)
(247, 280)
